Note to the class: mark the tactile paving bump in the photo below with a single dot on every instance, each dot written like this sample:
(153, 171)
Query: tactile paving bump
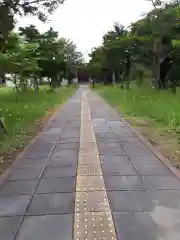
(85, 114)
(86, 117)
(88, 138)
(87, 131)
(89, 170)
(91, 202)
(88, 147)
(89, 183)
(94, 226)
(86, 124)
(88, 159)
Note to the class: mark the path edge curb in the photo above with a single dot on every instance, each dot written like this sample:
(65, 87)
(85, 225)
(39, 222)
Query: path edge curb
(159, 155)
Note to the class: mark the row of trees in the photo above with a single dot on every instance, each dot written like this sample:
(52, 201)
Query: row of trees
(151, 44)
(28, 55)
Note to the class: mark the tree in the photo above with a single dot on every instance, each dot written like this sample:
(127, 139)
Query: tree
(10, 8)
(31, 33)
(118, 31)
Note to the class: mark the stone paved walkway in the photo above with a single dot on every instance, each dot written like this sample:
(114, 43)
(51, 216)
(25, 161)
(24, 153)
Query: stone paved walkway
(87, 176)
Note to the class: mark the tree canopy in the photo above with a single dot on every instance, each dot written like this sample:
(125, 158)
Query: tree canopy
(10, 8)
(149, 44)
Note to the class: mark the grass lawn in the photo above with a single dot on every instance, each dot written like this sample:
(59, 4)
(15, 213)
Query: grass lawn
(156, 114)
(23, 119)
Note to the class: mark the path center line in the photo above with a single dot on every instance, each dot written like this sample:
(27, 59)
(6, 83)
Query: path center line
(93, 218)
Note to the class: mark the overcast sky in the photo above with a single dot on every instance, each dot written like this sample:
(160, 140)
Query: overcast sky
(85, 21)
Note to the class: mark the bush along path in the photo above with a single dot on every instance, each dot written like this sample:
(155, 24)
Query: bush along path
(89, 176)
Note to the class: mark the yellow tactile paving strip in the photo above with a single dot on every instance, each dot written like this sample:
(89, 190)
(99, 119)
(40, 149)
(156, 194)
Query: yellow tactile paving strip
(93, 219)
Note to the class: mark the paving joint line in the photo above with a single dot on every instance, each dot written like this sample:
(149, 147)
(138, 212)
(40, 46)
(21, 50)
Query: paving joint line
(33, 194)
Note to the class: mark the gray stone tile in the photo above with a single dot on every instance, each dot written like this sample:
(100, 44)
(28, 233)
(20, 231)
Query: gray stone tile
(68, 140)
(51, 138)
(137, 226)
(134, 140)
(38, 154)
(116, 124)
(65, 153)
(47, 227)
(123, 183)
(117, 165)
(112, 151)
(32, 162)
(52, 204)
(150, 169)
(138, 161)
(167, 198)
(118, 169)
(124, 132)
(42, 146)
(105, 134)
(58, 161)
(55, 185)
(26, 173)
(54, 131)
(75, 134)
(161, 182)
(130, 201)
(9, 227)
(101, 128)
(72, 145)
(104, 140)
(132, 143)
(134, 150)
(107, 145)
(60, 171)
(13, 205)
(123, 160)
(19, 187)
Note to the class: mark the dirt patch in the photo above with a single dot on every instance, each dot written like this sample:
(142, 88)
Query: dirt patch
(164, 139)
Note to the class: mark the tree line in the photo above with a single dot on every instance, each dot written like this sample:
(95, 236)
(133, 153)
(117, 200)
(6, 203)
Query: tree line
(29, 56)
(149, 46)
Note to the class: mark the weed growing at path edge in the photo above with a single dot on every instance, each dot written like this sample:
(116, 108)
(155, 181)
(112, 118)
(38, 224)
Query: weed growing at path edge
(146, 102)
(155, 114)
(22, 118)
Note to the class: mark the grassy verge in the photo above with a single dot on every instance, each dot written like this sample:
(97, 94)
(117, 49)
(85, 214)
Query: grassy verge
(23, 119)
(155, 114)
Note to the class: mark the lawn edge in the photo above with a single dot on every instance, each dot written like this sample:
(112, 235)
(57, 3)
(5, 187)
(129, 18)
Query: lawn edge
(5, 175)
(158, 154)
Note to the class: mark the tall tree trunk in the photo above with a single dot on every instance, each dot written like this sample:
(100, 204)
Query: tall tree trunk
(16, 87)
(157, 50)
(2, 78)
(35, 85)
(114, 78)
(173, 87)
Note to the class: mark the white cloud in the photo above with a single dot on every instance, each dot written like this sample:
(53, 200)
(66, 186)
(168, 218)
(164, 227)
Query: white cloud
(85, 21)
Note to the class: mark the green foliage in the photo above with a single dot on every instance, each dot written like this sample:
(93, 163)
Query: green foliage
(144, 102)
(32, 55)
(152, 42)
(20, 117)
(10, 8)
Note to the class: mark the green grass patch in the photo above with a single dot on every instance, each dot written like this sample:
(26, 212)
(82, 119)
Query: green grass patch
(162, 107)
(22, 118)
(156, 115)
